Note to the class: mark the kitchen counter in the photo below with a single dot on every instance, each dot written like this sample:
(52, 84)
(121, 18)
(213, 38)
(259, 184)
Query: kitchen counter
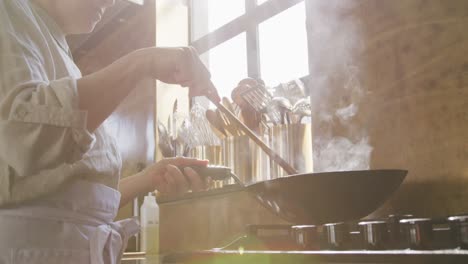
(225, 256)
(281, 257)
(141, 258)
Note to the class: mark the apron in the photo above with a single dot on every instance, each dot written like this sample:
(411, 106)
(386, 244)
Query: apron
(74, 225)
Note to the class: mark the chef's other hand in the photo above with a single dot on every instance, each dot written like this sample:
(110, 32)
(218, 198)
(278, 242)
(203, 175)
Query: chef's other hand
(180, 65)
(166, 177)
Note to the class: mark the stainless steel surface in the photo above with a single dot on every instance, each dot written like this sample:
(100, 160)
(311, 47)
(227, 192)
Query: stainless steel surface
(284, 107)
(394, 228)
(300, 109)
(306, 237)
(211, 93)
(216, 157)
(261, 100)
(336, 236)
(324, 257)
(293, 143)
(459, 227)
(246, 159)
(374, 235)
(418, 232)
(328, 243)
(270, 152)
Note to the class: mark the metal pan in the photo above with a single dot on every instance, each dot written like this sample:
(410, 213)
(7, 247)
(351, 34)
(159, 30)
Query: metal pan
(317, 198)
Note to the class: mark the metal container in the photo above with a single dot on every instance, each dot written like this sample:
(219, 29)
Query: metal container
(246, 159)
(394, 228)
(307, 237)
(418, 232)
(459, 230)
(212, 153)
(294, 144)
(374, 235)
(336, 236)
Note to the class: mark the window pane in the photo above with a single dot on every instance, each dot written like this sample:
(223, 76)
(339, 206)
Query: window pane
(209, 15)
(227, 64)
(283, 46)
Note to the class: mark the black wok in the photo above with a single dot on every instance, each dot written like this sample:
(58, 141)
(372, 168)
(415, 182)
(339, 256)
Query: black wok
(317, 198)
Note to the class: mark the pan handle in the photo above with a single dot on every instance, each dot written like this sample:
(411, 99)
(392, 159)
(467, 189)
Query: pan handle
(218, 173)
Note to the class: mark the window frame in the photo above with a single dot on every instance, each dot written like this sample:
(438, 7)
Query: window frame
(248, 23)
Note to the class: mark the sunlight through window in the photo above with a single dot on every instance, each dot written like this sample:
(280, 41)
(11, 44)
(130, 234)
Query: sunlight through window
(283, 46)
(227, 64)
(212, 14)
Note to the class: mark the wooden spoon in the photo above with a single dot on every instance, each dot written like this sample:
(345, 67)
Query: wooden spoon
(216, 123)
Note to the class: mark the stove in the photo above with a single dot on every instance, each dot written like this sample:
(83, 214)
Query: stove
(394, 239)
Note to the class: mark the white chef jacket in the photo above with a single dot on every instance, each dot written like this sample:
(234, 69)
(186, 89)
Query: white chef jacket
(43, 136)
(58, 181)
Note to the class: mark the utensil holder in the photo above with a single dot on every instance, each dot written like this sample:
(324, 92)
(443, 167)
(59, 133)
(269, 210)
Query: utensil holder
(212, 153)
(246, 159)
(293, 143)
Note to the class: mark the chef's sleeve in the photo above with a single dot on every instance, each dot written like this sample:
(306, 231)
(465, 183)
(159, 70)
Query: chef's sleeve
(41, 126)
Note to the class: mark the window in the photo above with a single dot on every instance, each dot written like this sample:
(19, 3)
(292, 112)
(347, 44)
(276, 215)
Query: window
(209, 15)
(227, 63)
(256, 38)
(283, 46)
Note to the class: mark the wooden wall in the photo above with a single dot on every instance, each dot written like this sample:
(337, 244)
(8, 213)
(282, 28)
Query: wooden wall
(410, 61)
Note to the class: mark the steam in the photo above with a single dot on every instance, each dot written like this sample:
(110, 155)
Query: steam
(345, 114)
(340, 154)
(341, 141)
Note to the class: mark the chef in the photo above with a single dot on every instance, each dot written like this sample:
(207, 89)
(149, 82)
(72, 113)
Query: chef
(59, 169)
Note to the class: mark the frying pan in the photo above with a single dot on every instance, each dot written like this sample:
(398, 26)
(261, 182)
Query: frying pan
(318, 198)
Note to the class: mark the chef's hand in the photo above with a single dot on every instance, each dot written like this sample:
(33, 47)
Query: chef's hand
(166, 177)
(178, 66)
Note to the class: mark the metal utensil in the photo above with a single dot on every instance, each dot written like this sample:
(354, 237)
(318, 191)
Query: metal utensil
(185, 139)
(165, 142)
(202, 128)
(173, 123)
(260, 99)
(283, 106)
(271, 153)
(301, 109)
(211, 93)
